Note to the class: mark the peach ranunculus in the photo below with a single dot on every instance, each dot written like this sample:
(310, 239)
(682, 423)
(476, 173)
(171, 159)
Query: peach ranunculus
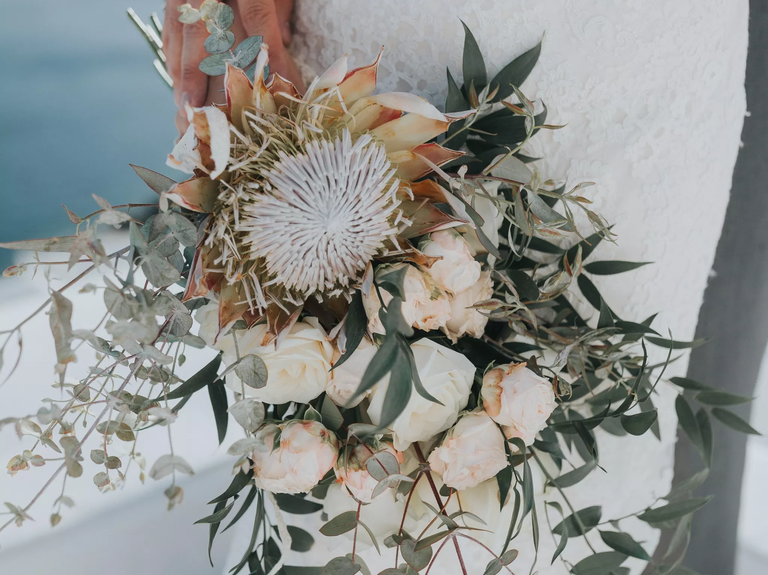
(471, 452)
(465, 320)
(518, 399)
(307, 451)
(352, 468)
(456, 270)
(425, 307)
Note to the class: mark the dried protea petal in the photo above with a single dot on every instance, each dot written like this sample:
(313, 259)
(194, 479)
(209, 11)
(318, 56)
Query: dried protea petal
(360, 82)
(408, 132)
(239, 91)
(411, 166)
(211, 127)
(196, 194)
(262, 99)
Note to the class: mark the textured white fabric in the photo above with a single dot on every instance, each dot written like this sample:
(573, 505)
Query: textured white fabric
(652, 93)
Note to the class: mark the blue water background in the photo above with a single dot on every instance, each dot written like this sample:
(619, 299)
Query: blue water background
(79, 101)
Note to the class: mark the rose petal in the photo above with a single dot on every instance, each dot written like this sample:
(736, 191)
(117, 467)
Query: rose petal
(197, 194)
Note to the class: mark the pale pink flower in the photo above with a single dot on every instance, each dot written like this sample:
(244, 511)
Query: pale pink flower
(518, 399)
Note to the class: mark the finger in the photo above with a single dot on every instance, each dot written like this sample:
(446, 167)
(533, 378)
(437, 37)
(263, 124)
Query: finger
(194, 83)
(284, 9)
(172, 39)
(259, 18)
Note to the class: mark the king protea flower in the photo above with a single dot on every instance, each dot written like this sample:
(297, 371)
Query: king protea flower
(305, 191)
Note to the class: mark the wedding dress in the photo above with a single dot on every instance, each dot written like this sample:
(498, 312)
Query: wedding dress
(652, 93)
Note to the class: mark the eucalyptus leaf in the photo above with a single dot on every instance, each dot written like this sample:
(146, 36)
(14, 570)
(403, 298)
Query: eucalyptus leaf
(340, 524)
(612, 267)
(220, 42)
(720, 398)
(580, 522)
(599, 563)
(639, 423)
(215, 64)
(252, 371)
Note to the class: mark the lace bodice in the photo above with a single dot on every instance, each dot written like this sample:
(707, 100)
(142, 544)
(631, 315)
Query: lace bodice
(652, 93)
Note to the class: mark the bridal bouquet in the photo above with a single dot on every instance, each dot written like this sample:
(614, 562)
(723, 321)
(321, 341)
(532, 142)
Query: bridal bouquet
(390, 293)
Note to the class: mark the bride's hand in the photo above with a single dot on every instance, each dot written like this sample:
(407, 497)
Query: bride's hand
(183, 45)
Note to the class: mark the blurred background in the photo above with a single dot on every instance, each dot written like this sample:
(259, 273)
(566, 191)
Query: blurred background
(79, 101)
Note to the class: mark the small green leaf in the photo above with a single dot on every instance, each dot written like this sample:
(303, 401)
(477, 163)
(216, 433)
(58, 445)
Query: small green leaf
(218, 396)
(599, 563)
(612, 267)
(668, 343)
(705, 430)
(355, 327)
(158, 183)
(515, 73)
(624, 543)
(575, 476)
(418, 560)
(687, 383)
(340, 566)
(733, 421)
(674, 510)
(214, 65)
(205, 376)
(246, 51)
(688, 423)
(340, 524)
(219, 43)
(301, 541)
(473, 65)
(589, 518)
(239, 482)
(640, 423)
(296, 505)
(332, 417)
(719, 398)
(526, 287)
(252, 371)
(224, 17)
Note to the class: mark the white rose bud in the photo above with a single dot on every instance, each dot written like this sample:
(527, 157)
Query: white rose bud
(352, 470)
(345, 379)
(447, 376)
(425, 307)
(298, 369)
(472, 452)
(307, 451)
(457, 270)
(518, 399)
(465, 320)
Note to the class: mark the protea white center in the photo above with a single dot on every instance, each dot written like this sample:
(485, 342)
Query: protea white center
(324, 215)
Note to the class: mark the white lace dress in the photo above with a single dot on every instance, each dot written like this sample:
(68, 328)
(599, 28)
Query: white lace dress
(652, 93)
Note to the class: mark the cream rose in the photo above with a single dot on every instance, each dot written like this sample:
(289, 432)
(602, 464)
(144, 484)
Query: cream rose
(345, 379)
(447, 376)
(456, 270)
(471, 452)
(464, 319)
(352, 470)
(382, 515)
(298, 368)
(425, 307)
(307, 451)
(518, 399)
